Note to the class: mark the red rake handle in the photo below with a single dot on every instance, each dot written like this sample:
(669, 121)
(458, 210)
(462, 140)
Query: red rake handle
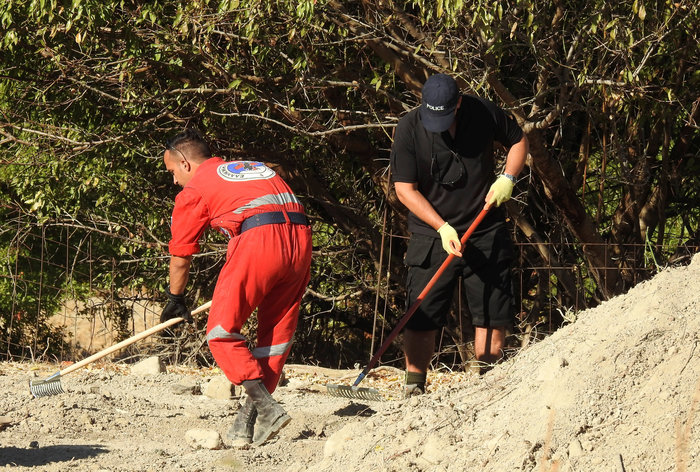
(402, 322)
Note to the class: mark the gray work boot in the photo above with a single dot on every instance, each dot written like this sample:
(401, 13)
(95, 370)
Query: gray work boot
(271, 415)
(241, 432)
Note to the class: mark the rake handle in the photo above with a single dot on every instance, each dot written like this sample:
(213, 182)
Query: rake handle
(131, 340)
(412, 309)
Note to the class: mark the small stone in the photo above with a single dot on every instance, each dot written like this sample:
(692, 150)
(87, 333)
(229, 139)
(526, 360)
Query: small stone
(575, 449)
(587, 446)
(185, 388)
(34, 444)
(219, 388)
(4, 422)
(203, 439)
(149, 366)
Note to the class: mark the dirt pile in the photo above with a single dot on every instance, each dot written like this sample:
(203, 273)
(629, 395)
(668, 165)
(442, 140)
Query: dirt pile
(616, 390)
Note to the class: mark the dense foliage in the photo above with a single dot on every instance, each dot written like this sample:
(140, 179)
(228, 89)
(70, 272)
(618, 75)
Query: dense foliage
(89, 90)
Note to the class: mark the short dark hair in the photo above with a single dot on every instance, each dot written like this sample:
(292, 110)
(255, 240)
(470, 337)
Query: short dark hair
(190, 141)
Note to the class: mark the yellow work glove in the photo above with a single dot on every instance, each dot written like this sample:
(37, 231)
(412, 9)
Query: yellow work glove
(450, 240)
(500, 190)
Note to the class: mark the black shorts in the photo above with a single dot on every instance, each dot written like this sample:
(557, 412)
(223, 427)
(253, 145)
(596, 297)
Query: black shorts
(485, 268)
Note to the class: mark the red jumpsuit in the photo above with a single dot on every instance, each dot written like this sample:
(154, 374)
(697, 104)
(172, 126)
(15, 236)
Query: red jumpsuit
(267, 262)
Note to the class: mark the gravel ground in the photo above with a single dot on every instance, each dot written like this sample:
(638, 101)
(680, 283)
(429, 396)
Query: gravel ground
(616, 390)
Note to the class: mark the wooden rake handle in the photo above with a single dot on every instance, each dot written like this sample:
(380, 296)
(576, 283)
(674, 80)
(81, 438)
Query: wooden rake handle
(131, 340)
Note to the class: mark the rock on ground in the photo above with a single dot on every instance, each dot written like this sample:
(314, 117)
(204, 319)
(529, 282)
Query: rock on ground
(203, 438)
(149, 366)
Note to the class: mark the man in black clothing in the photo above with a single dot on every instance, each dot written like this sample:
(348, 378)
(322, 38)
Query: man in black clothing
(443, 170)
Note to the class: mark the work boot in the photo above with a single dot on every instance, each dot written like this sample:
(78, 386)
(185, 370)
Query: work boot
(271, 415)
(241, 432)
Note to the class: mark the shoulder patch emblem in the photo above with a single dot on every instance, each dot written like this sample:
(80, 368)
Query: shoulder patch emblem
(238, 171)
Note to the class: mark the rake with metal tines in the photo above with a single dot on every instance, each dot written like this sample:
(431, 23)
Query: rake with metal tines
(361, 393)
(52, 385)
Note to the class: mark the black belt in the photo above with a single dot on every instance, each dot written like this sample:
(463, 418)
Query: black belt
(273, 217)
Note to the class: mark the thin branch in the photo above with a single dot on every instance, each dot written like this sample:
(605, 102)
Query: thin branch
(334, 299)
(97, 91)
(60, 138)
(342, 129)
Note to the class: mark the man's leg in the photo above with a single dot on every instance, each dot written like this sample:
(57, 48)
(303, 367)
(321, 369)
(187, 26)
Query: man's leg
(489, 344)
(419, 347)
(278, 311)
(231, 307)
(489, 294)
(424, 256)
(277, 322)
(244, 283)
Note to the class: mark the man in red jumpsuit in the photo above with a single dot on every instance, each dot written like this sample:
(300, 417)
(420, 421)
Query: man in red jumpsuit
(267, 267)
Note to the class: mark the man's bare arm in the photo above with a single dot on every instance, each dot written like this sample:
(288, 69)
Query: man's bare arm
(415, 201)
(179, 273)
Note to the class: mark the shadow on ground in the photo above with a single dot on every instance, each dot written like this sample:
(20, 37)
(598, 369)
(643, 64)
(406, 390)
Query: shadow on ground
(31, 457)
(355, 409)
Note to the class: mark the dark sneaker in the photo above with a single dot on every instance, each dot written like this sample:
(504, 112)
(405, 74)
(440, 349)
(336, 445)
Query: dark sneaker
(412, 390)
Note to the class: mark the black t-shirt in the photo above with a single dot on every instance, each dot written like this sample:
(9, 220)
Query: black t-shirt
(454, 175)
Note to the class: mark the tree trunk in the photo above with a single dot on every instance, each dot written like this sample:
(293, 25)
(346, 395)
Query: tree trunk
(561, 194)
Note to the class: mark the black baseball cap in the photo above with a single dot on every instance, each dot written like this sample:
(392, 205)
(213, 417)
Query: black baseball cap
(439, 101)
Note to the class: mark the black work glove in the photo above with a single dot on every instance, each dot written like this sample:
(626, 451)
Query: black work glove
(176, 307)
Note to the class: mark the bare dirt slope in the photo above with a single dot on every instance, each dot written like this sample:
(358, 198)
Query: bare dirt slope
(615, 391)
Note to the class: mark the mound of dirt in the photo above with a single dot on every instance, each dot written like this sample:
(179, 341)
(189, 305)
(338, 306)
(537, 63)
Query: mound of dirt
(616, 390)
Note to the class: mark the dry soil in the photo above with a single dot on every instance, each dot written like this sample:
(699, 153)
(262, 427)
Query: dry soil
(616, 390)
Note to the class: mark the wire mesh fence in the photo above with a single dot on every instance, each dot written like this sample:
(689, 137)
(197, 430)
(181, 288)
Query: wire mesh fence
(57, 286)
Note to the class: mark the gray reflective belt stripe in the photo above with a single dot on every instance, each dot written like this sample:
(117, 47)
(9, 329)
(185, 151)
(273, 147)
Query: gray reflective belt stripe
(220, 333)
(270, 199)
(269, 351)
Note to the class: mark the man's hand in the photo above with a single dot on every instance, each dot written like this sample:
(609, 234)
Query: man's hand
(176, 307)
(500, 191)
(450, 240)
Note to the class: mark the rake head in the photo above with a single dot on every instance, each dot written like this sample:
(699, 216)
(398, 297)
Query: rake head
(48, 386)
(360, 393)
